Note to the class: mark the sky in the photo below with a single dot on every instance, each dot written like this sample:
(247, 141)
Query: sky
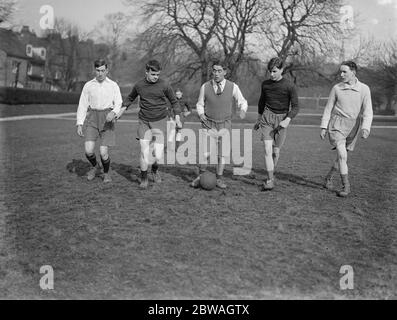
(375, 17)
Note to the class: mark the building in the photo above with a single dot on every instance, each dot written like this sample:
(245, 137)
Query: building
(49, 63)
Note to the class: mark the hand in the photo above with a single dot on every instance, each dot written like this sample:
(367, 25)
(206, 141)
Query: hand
(203, 117)
(257, 125)
(118, 116)
(364, 133)
(178, 121)
(285, 123)
(110, 116)
(242, 114)
(186, 113)
(323, 133)
(80, 131)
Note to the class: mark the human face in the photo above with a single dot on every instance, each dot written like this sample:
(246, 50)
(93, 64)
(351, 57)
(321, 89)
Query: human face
(218, 73)
(152, 76)
(347, 74)
(276, 74)
(101, 73)
(178, 94)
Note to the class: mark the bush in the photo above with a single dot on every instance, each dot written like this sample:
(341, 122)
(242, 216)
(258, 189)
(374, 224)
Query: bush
(27, 96)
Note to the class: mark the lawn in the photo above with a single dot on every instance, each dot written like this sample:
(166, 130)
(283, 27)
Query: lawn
(115, 241)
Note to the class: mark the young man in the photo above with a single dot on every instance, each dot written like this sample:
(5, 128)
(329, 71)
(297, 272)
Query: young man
(214, 108)
(185, 111)
(277, 106)
(342, 120)
(101, 99)
(153, 115)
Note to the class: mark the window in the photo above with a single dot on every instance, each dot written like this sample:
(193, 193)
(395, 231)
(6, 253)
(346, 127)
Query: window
(15, 66)
(30, 69)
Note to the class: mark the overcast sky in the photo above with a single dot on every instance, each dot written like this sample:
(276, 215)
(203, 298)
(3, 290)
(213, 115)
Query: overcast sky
(376, 17)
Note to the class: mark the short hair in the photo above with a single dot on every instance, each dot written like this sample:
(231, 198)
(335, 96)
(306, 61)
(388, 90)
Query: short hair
(275, 62)
(153, 65)
(223, 64)
(100, 62)
(351, 64)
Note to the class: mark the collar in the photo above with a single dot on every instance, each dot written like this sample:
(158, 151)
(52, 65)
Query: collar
(106, 80)
(355, 87)
(222, 83)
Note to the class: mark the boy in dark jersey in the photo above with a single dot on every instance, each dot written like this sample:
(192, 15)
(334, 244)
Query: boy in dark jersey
(153, 115)
(277, 106)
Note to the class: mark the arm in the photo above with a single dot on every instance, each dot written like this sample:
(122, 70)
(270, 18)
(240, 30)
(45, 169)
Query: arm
(367, 111)
(241, 102)
(117, 102)
(169, 93)
(294, 103)
(200, 103)
(261, 102)
(130, 99)
(126, 104)
(83, 106)
(328, 109)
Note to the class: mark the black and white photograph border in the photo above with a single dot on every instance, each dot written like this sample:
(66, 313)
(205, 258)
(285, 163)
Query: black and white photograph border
(304, 208)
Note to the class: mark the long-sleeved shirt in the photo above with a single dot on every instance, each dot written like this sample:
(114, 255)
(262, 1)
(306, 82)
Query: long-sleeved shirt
(237, 95)
(280, 97)
(153, 100)
(348, 101)
(99, 95)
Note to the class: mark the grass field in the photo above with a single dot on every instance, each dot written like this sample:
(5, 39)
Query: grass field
(115, 241)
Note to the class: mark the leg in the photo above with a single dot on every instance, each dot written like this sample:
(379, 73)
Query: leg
(89, 147)
(343, 169)
(330, 175)
(158, 156)
(276, 155)
(105, 159)
(144, 162)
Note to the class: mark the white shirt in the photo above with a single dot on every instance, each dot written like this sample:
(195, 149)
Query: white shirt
(348, 101)
(237, 95)
(99, 95)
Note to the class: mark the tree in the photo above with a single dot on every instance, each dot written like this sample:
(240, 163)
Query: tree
(112, 31)
(7, 8)
(190, 23)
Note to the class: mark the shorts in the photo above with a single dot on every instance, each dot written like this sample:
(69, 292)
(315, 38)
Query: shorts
(97, 127)
(152, 131)
(216, 131)
(269, 123)
(344, 131)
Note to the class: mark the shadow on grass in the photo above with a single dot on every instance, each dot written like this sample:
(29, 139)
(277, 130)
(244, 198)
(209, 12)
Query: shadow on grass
(257, 176)
(132, 174)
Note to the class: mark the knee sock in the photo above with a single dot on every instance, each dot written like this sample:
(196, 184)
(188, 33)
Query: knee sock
(106, 164)
(92, 159)
(144, 175)
(155, 167)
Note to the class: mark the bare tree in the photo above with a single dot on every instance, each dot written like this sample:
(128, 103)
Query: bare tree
(188, 22)
(112, 31)
(7, 8)
(239, 19)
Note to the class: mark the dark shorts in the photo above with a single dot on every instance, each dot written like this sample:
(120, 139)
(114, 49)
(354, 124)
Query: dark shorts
(344, 131)
(269, 123)
(152, 131)
(98, 128)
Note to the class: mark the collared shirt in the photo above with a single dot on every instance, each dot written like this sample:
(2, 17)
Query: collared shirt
(348, 101)
(237, 95)
(100, 96)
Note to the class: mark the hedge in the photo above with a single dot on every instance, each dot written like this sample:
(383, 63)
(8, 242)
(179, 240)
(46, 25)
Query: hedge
(27, 96)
